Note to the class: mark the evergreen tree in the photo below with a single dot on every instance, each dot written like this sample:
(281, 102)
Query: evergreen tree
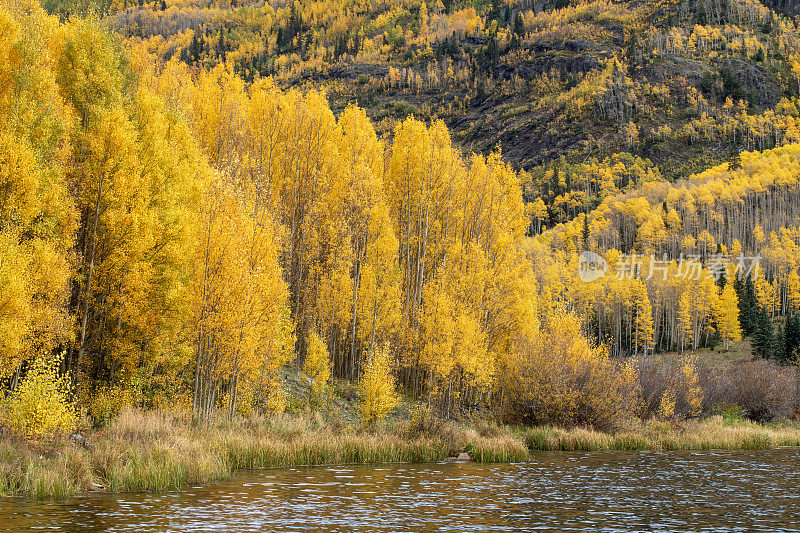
(745, 290)
(780, 344)
(763, 335)
(791, 338)
(722, 281)
(736, 160)
(519, 25)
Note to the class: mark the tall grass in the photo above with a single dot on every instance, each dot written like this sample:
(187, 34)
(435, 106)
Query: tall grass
(161, 451)
(712, 434)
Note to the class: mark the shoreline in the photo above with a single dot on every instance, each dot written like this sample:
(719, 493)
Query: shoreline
(158, 452)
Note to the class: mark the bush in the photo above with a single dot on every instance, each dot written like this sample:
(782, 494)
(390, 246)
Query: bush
(107, 402)
(670, 390)
(40, 407)
(558, 377)
(762, 389)
(424, 422)
(759, 390)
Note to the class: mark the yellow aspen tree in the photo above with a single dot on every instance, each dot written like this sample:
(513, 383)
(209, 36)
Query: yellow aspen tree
(537, 210)
(765, 294)
(377, 388)
(37, 219)
(244, 331)
(793, 291)
(728, 316)
(685, 320)
(317, 367)
(643, 323)
(693, 394)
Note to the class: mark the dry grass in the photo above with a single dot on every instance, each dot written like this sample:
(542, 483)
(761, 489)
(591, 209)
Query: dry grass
(711, 434)
(159, 451)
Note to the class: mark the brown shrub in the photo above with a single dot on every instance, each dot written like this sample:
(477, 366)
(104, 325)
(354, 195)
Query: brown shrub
(762, 389)
(671, 386)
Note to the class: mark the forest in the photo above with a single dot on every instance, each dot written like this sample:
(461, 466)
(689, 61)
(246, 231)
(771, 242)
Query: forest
(189, 213)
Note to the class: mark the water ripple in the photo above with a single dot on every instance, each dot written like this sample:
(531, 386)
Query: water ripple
(564, 492)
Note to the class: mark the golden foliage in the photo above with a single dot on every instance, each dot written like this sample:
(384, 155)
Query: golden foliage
(558, 377)
(40, 407)
(317, 367)
(377, 388)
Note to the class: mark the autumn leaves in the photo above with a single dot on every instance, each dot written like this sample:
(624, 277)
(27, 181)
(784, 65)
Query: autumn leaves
(406, 251)
(205, 232)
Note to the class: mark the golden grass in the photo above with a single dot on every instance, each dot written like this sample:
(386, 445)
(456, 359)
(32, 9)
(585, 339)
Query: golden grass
(160, 451)
(711, 434)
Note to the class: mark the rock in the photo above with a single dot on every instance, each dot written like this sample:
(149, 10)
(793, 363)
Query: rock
(80, 440)
(463, 456)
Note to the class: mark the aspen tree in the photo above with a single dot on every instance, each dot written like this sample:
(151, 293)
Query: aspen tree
(728, 316)
(318, 367)
(644, 321)
(377, 388)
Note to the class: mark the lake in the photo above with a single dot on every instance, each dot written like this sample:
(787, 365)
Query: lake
(614, 492)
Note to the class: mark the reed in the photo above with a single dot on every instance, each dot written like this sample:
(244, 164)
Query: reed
(505, 449)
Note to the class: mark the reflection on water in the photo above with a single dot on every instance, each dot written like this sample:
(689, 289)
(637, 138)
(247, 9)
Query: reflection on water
(702, 491)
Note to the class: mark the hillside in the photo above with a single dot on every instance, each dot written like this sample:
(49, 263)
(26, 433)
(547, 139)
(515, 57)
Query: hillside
(682, 256)
(678, 83)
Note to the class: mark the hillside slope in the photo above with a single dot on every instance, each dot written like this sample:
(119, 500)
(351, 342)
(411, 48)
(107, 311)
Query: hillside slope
(680, 83)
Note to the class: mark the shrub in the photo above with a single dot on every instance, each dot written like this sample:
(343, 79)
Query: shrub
(762, 389)
(670, 390)
(377, 388)
(425, 422)
(107, 402)
(40, 406)
(558, 377)
(276, 400)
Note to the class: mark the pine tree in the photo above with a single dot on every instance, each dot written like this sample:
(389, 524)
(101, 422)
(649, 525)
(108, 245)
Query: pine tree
(791, 337)
(747, 304)
(735, 162)
(780, 344)
(585, 232)
(722, 281)
(763, 335)
(519, 26)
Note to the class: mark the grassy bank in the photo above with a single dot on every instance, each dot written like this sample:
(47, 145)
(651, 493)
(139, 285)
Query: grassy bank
(156, 451)
(714, 433)
(159, 451)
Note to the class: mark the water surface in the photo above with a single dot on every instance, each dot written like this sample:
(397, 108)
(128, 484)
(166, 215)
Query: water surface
(613, 492)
